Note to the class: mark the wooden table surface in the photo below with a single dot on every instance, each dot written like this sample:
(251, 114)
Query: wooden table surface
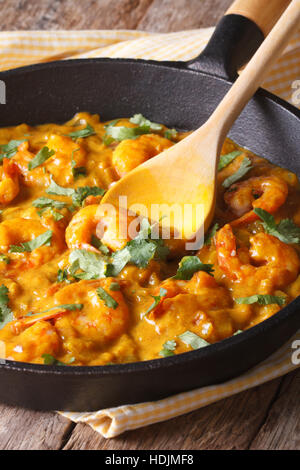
(267, 417)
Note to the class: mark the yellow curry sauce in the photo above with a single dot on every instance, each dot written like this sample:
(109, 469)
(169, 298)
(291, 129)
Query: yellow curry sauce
(63, 298)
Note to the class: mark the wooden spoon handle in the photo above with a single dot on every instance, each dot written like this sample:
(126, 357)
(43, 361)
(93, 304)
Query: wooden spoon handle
(264, 13)
(254, 73)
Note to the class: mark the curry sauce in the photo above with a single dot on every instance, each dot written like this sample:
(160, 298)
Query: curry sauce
(71, 296)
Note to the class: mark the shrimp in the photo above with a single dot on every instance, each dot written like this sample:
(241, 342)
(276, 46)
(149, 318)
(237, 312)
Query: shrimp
(59, 165)
(131, 153)
(210, 295)
(268, 193)
(277, 264)
(9, 181)
(10, 234)
(90, 221)
(31, 343)
(199, 305)
(96, 322)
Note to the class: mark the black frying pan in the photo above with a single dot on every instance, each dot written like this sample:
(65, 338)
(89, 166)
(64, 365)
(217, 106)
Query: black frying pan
(181, 95)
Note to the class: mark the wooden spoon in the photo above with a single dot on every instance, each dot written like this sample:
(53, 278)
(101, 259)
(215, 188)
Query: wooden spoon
(185, 174)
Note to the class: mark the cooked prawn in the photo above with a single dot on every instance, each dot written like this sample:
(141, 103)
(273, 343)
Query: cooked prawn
(268, 193)
(131, 153)
(9, 181)
(31, 343)
(90, 221)
(10, 234)
(59, 165)
(278, 263)
(96, 322)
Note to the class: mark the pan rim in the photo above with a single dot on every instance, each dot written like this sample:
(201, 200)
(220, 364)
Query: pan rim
(184, 358)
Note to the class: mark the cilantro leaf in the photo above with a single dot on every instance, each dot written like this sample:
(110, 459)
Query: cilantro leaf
(115, 286)
(43, 239)
(120, 133)
(50, 360)
(57, 190)
(109, 301)
(78, 195)
(168, 348)
(190, 265)
(10, 149)
(157, 299)
(210, 234)
(81, 193)
(286, 231)
(97, 243)
(228, 158)
(262, 299)
(40, 158)
(4, 258)
(45, 202)
(193, 340)
(171, 134)
(245, 166)
(92, 264)
(70, 307)
(6, 314)
(138, 251)
(119, 260)
(86, 132)
(141, 121)
(62, 275)
(77, 170)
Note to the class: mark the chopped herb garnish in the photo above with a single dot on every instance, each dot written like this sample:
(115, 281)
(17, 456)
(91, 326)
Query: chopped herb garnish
(228, 158)
(157, 299)
(86, 132)
(242, 171)
(119, 260)
(109, 301)
(237, 332)
(168, 348)
(210, 234)
(57, 190)
(62, 275)
(43, 239)
(115, 286)
(97, 243)
(107, 140)
(286, 230)
(141, 121)
(40, 158)
(78, 195)
(4, 258)
(262, 299)
(69, 307)
(81, 193)
(190, 265)
(45, 202)
(193, 340)
(77, 170)
(119, 133)
(92, 265)
(6, 314)
(10, 149)
(52, 361)
(138, 251)
(171, 134)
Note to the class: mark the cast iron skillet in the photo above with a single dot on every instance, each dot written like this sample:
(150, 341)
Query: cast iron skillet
(180, 95)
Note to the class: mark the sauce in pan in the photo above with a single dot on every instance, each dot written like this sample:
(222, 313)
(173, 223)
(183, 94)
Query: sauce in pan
(75, 290)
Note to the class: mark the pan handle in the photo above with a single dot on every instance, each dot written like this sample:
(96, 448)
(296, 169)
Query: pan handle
(237, 36)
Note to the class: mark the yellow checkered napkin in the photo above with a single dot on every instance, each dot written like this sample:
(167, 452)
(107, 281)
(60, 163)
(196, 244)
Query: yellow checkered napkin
(19, 48)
